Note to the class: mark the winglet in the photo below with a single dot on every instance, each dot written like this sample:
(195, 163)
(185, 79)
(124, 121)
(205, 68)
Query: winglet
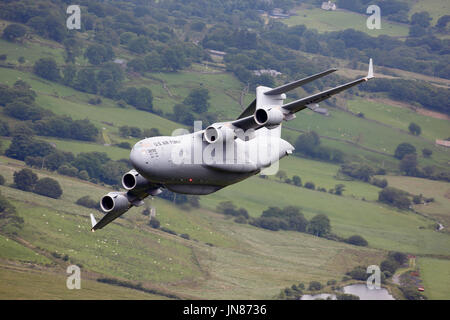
(370, 73)
(93, 222)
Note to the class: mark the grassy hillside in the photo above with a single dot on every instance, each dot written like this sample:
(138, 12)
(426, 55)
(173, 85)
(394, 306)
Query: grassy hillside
(20, 283)
(191, 268)
(436, 8)
(436, 277)
(326, 21)
(222, 259)
(439, 191)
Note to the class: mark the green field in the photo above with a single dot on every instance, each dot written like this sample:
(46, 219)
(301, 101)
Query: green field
(400, 118)
(24, 284)
(380, 138)
(436, 8)
(10, 249)
(438, 190)
(436, 277)
(327, 21)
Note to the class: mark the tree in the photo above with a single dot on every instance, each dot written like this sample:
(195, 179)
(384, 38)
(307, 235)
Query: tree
(86, 81)
(339, 189)
(46, 68)
(389, 265)
(13, 32)
(404, 149)
(409, 164)
(23, 145)
(307, 142)
(395, 197)
(414, 129)
(427, 152)
(422, 19)
(24, 111)
(98, 54)
(297, 181)
(319, 225)
(25, 179)
(48, 187)
(198, 99)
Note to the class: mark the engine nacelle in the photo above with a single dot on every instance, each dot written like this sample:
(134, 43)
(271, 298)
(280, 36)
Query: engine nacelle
(269, 117)
(132, 180)
(115, 203)
(218, 133)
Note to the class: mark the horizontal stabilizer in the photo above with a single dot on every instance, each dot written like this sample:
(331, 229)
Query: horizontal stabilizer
(295, 84)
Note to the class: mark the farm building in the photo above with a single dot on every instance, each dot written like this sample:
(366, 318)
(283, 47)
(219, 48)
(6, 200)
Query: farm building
(444, 143)
(329, 6)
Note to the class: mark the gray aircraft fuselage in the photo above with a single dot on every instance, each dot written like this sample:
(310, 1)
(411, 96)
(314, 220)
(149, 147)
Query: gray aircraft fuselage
(158, 160)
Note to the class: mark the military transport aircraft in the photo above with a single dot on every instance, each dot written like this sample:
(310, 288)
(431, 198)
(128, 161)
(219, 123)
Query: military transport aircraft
(224, 153)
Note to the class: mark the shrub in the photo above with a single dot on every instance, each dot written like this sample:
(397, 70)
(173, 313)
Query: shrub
(185, 236)
(404, 149)
(346, 296)
(168, 230)
(411, 293)
(358, 273)
(87, 202)
(399, 257)
(68, 170)
(395, 197)
(48, 187)
(240, 219)
(381, 183)
(154, 223)
(124, 145)
(25, 179)
(357, 241)
(310, 185)
(314, 286)
(331, 282)
(389, 265)
(2, 180)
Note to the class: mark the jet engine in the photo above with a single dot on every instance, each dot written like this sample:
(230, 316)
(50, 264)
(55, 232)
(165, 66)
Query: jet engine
(269, 117)
(132, 180)
(115, 203)
(218, 133)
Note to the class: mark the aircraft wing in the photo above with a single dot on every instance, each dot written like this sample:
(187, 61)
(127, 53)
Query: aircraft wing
(298, 83)
(246, 119)
(250, 110)
(301, 104)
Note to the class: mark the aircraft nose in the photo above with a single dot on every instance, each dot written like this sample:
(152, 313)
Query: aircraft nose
(137, 156)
